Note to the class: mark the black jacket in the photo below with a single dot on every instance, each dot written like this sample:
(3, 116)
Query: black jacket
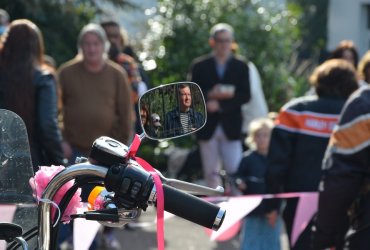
(46, 148)
(173, 125)
(298, 143)
(204, 73)
(346, 175)
(252, 170)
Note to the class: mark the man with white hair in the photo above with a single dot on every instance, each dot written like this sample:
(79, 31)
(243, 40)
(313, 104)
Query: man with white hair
(224, 80)
(96, 96)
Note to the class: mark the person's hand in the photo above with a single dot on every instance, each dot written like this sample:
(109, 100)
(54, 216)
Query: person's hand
(213, 92)
(242, 186)
(272, 217)
(67, 150)
(213, 106)
(220, 92)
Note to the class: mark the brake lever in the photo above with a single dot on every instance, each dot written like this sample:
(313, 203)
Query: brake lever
(191, 187)
(96, 216)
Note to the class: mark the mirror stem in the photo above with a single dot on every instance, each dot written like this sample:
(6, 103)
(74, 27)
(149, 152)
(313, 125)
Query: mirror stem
(142, 136)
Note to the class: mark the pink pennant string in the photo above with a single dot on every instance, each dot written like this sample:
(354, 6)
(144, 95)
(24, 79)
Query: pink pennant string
(306, 208)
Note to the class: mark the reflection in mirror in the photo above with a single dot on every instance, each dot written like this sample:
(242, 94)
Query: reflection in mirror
(172, 110)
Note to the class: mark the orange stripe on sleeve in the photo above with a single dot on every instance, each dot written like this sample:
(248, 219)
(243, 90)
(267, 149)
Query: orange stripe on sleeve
(351, 137)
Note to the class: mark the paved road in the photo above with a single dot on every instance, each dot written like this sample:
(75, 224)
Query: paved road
(179, 235)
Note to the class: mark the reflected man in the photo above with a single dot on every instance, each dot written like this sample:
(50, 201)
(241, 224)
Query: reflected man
(183, 119)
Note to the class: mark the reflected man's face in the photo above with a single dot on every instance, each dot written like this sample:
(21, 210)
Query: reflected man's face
(185, 99)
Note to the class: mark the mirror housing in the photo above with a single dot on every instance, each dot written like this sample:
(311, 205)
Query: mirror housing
(172, 110)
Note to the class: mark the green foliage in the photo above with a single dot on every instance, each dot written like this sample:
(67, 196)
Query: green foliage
(313, 22)
(266, 34)
(59, 20)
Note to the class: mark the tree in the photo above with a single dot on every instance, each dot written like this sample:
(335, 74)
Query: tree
(59, 20)
(266, 34)
(313, 23)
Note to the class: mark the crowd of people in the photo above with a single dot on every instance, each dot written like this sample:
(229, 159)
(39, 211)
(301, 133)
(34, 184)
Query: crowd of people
(317, 142)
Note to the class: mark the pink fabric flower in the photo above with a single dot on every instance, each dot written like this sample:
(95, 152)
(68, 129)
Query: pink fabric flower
(42, 178)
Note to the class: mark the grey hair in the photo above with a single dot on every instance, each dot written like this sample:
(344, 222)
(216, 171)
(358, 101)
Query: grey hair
(94, 29)
(221, 27)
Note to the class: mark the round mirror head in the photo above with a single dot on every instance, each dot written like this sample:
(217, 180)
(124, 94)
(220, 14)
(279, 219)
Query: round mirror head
(172, 110)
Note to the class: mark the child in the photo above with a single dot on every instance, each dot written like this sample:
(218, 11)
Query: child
(259, 232)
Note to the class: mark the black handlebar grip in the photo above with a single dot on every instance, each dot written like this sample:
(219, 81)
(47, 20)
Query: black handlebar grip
(192, 208)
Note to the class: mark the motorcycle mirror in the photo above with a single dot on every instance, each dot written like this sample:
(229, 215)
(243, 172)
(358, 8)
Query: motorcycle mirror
(172, 110)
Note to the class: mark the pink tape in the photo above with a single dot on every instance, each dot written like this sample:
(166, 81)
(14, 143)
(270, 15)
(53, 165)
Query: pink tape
(160, 201)
(158, 185)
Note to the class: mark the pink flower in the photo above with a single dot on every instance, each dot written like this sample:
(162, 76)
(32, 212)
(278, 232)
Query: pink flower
(42, 178)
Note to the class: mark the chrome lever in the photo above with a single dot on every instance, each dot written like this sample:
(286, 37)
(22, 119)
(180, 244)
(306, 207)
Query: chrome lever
(191, 188)
(194, 188)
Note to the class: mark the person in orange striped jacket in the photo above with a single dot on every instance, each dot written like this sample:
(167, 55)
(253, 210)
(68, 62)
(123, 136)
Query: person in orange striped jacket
(344, 201)
(301, 134)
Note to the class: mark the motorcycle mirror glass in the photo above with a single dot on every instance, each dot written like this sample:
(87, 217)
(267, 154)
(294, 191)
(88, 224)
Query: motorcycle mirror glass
(172, 110)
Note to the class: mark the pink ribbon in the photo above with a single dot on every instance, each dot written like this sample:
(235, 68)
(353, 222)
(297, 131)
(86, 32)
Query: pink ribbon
(159, 189)
(160, 201)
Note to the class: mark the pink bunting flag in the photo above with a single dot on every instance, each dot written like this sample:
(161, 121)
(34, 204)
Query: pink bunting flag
(6, 215)
(84, 232)
(306, 208)
(239, 207)
(236, 209)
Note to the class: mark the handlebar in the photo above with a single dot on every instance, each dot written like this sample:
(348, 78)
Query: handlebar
(54, 185)
(192, 208)
(177, 202)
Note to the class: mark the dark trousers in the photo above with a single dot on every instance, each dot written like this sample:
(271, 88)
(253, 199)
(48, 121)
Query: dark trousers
(360, 240)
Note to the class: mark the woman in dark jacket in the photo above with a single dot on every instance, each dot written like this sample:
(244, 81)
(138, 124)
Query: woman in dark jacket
(29, 89)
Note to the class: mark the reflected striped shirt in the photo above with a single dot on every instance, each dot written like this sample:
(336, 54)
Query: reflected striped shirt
(185, 121)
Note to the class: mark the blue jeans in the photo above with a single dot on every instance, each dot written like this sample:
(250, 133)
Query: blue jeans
(258, 234)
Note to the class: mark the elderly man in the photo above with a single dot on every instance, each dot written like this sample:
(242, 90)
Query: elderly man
(96, 98)
(95, 94)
